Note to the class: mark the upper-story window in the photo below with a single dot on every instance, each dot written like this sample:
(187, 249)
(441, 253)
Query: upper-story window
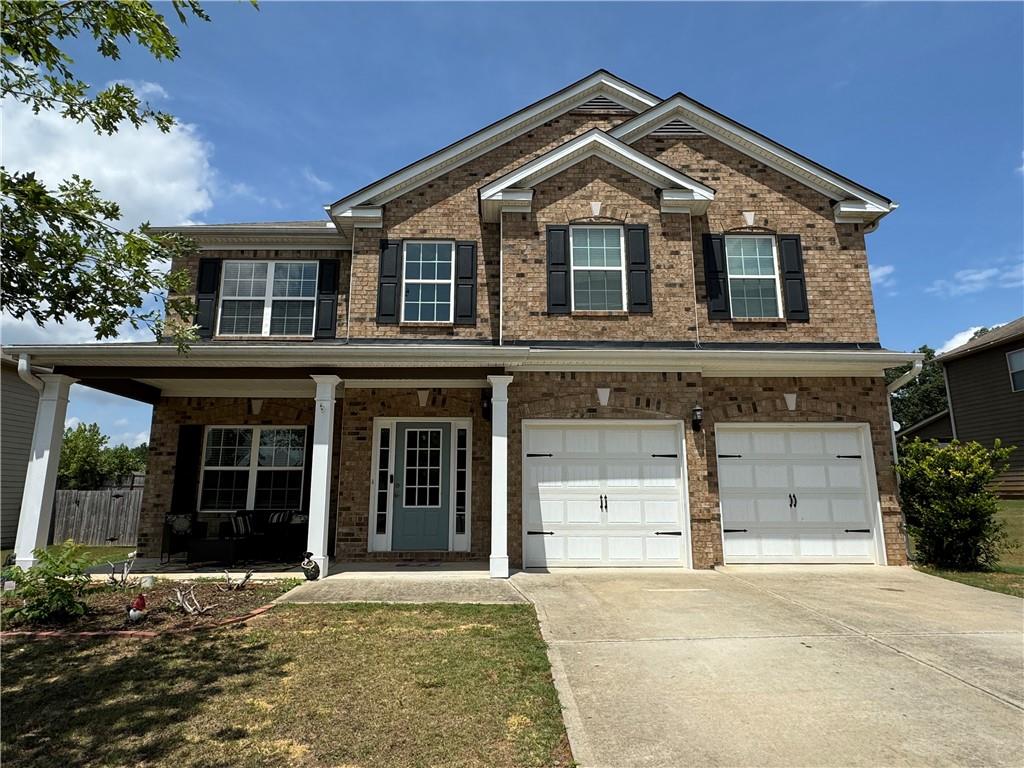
(598, 268)
(428, 276)
(752, 264)
(1015, 360)
(268, 298)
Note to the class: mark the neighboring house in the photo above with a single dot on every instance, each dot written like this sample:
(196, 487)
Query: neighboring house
(609, 329)
(985, 391)
(936, 427)
(17, 419)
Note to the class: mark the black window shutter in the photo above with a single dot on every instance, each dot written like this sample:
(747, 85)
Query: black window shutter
(794, 286)
(558, 270)
(389, 282)
(638, 278)
(207, 285)
(308, 474)
(465, 283)
(187, 462)
(327, 300)
(716, 278)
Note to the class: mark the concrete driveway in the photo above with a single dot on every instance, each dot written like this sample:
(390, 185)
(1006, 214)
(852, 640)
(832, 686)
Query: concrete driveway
(783, 666)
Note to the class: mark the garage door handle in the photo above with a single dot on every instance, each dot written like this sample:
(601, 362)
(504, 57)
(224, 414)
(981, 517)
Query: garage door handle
(857, 530)
(848, 456)
(668, 533)
(734, 530)
(540, 533)
(539, 455)
(664, 455)
(730, 455)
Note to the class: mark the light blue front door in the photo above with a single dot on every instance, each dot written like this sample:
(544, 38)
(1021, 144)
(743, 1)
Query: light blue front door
(422, 489)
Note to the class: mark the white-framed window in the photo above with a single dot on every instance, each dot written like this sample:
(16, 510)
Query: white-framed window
(1015, 362)
(252, 468)
(428, 277)
(752, 265)
(598, 268)
(267, 298)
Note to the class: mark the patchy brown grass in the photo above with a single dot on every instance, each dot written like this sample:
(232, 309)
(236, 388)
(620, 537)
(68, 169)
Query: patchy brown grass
(304, 685)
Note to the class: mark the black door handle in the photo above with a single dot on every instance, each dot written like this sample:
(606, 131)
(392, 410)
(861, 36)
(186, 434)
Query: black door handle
(668, 533)
(796, 501)
(857, 530)
(734, 530)
(540, 533)
(791, 501)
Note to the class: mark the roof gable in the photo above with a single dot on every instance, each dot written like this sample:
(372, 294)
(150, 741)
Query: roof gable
(854, 203)
(510, 188)
(599, 90)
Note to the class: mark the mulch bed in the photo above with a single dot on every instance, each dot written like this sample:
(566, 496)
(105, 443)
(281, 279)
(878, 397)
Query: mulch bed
(108, 607)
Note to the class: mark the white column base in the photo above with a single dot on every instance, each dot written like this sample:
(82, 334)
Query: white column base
(499, 567)
(324, 562)
(25, 563)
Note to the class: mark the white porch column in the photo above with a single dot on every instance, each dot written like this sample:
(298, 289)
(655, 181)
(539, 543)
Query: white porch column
(499, 475)
(320, 470)
(41, 477)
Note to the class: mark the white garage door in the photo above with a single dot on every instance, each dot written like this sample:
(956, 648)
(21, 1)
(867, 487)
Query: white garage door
(603, 493)
(796, 495)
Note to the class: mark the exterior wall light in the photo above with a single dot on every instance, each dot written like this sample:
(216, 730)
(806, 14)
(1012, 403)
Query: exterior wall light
(697, 418)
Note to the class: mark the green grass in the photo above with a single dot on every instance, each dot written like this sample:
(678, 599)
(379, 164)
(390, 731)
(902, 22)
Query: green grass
(305, 685)
(1008, 576)
(102, 553)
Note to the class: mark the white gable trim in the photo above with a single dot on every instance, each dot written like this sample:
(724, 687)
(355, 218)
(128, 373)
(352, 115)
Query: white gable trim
(749, 142)
(596, 143)
(600, 83)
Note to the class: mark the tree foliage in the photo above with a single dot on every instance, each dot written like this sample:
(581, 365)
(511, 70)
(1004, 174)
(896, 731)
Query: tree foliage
(924, 396)
(64, 255)
(86, 463)
(948, 502)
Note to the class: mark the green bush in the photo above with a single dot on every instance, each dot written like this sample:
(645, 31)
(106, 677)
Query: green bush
(950, 509)
(53, 589)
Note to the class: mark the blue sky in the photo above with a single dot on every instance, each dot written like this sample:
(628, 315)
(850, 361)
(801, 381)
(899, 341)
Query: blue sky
(289, 107)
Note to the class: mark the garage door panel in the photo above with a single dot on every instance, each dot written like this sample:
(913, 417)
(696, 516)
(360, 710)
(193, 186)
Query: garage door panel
(736, 443)
(602, 496)
(809, 503)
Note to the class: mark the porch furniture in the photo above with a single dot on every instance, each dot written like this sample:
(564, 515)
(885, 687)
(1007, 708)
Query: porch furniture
(178, 532)
(231, 543)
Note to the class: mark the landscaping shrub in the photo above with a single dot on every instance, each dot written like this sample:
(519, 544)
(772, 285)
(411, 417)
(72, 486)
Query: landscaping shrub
(53, 589)
(950, 509)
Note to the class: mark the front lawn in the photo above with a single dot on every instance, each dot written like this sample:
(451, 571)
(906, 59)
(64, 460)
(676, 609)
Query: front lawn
(1008, 576)
(303, 685)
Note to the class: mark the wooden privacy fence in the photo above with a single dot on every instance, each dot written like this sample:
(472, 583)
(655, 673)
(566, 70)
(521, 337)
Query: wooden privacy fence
(95, 517)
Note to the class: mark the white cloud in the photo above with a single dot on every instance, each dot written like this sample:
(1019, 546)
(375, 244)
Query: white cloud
(1020, 168)
(143, 88)
(131, 439)
(961, 338)
(319, 184)
(72, 422)
(882, 274)
(968, 281)
(26, 331)
(165, 178)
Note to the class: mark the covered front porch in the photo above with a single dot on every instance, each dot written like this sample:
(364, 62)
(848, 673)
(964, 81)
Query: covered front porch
(255, 466)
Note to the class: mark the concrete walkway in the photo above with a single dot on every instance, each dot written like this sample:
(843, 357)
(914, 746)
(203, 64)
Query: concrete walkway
(412, 583)
(783, 666)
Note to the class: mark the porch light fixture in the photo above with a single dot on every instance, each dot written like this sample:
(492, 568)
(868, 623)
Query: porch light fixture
(602, 395)
(697, 418)
(423, 394)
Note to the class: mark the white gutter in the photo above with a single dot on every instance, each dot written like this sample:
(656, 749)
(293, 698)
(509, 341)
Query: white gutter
(906, 378)
(25, 372)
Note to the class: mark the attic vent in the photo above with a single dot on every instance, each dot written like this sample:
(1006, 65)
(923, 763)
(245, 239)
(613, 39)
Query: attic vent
(603, 104)
(676, 128)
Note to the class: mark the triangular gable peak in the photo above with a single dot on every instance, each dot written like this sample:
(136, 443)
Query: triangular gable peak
(853, 202)
(513, 192)
(601, 91)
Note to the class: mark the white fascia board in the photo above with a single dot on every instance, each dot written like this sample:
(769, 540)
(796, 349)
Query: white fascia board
(502, 131)
(596, 142)
(507, 201)
(682, 201)
(772, 154)
(709, 362)
(857, 212)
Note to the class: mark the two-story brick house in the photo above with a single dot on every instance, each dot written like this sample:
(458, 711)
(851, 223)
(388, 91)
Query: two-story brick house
(609, 329)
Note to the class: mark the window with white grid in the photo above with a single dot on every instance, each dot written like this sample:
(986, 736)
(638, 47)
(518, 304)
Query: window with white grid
(422, 468)
(236, 477)
(268, 298)
(427, 279)
(598, 268)
(753, 276)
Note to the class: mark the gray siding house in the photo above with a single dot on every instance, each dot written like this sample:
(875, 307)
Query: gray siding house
(985, 389)
(18, 403)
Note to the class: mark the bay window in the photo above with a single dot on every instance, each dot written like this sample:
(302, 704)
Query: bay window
(598, 268)
(268, 298)
(252, 468)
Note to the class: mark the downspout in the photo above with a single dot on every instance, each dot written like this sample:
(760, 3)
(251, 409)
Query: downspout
(501, 278)
(26, 375)
(902, 381)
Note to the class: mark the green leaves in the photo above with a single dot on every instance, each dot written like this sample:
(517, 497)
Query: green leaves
(54, 588)
(948, 502)
(924, 396)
